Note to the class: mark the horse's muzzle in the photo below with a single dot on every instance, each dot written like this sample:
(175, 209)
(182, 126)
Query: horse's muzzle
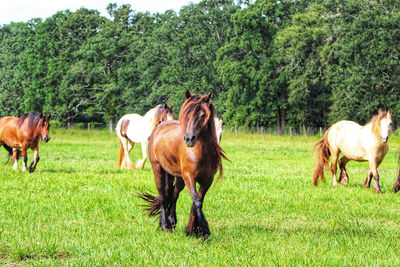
(385, 139)
(190, 141)
(46, 139)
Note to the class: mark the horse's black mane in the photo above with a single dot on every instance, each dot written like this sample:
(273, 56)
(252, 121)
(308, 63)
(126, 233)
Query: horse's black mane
(33, 117)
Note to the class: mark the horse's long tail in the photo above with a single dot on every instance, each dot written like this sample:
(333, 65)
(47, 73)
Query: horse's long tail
(153, 205)
(10, 152)
(121, 153)
(323, 154)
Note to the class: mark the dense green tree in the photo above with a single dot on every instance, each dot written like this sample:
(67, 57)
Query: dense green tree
(12, 44)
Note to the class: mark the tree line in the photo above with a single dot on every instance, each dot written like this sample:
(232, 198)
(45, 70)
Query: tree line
(269, 63)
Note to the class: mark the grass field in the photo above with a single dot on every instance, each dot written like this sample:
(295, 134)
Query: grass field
(78, 208)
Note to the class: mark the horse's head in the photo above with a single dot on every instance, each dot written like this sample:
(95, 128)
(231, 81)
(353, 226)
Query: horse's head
(385, 123)
(196, 115)
(44, 127)
(163, 113)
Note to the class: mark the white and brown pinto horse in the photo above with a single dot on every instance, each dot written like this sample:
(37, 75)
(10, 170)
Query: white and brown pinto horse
(355, 142)
(133, 128)
(218, 128)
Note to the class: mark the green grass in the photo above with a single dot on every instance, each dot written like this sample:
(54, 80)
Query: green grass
(78, 208)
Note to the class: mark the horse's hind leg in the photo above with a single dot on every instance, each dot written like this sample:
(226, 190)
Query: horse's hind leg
(161, 184)
(367, 182)
(334, 166)
(127, 147)
(35, 160)
(179, 185)
(15, 158)
(25, 159)
(343, 178)
(198, 224)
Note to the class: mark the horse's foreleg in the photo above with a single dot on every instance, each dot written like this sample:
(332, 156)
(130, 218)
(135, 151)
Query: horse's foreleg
(140, 163)
(343, 178)
(197, 224)
(25, 159)
(35, 160)
(373, 166)
(179, 185)
(367, 182)
(15, 158)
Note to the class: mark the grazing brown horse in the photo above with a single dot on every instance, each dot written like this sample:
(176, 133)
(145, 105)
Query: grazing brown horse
(187, 150)
(355, 142)
(23, 133)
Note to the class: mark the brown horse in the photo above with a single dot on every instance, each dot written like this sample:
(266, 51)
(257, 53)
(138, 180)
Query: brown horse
(23, 133)
(355, 142)
(187, 150)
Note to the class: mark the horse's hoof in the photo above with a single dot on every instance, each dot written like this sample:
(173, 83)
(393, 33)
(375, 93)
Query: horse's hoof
(378, 191)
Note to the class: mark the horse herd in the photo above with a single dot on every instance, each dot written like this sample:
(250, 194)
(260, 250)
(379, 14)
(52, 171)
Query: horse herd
(186, 151)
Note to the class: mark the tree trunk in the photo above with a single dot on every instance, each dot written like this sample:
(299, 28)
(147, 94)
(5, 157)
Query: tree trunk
(111, 125)
(283, 121)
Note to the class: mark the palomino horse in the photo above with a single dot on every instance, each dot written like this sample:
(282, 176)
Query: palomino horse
(187, 150)
(23, 133)
(218, 128)
(356, 142)
(133, 128)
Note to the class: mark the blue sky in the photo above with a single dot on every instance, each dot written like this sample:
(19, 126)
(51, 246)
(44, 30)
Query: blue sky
(23, 10)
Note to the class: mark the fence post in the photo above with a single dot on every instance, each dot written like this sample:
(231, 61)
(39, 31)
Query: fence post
(262, 130)
(88, 126)
(304, 130)
(290, 131)
(69, 126)
(236, 132)
(320, 131)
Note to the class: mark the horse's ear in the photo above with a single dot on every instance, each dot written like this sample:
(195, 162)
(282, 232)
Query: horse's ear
(188, 94)
(390, 112)
(48, 117)
(165, 106)
(170, 108)
(380, 111)
(207, 97)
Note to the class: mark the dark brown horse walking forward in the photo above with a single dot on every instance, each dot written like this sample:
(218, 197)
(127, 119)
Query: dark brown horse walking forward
(185, 152)
(23, 133)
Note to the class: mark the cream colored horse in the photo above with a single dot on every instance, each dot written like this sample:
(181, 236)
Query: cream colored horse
(133, 128)
(218, 128)
(355, 142)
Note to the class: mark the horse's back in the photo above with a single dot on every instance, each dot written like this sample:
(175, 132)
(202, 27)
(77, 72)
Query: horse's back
(347, 137)
(138, 129)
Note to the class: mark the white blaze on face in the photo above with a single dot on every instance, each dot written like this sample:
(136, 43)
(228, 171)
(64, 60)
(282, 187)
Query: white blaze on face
(169, 117)
(386, 124)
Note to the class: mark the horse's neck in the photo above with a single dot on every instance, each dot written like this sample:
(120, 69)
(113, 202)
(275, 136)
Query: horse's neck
(149, 116)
